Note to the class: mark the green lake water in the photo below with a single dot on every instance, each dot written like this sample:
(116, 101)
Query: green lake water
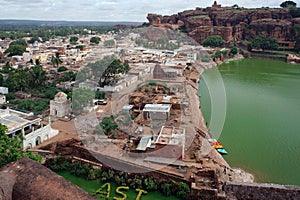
(262, 126)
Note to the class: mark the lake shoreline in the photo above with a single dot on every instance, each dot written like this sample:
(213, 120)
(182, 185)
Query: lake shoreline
(237, 174)
(259, 92)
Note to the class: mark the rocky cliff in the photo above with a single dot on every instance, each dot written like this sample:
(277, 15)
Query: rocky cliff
(230, 22)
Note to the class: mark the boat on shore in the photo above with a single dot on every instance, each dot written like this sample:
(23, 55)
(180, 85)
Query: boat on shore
(218, 146)
(222, 151)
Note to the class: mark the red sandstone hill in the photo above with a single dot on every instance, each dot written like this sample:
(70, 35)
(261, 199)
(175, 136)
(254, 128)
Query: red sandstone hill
(231, 23)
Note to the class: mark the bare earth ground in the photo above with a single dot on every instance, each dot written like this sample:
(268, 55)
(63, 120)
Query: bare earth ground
(210, 157)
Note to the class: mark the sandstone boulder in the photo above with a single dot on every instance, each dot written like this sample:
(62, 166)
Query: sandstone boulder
(34, 181)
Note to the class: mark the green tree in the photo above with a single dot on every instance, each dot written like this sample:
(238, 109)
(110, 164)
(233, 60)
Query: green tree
(81, 98)
(264, 42)
(182, 190)
(95, 40)
(1, 80)
(37, 62)
(288, 4)
(214, 41)
(33, 39)
(107, 69)
(18, 80)
(150, 184)
(19, 42)
(55, 60)
(234, 50)
(62, 69)
(11, 148)
(14, 50)
(99, 95)
(109, 126)
(50, 92)
(10, 96)
(114, 68)
(297, 44)
(295, 12)
(81, 47)
(37, 77)
(67, 76)
(17, 47)
(73, 40)
(109, 43)
(166, 189)
(235, 6)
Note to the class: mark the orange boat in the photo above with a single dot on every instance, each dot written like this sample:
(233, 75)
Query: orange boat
(218, 146)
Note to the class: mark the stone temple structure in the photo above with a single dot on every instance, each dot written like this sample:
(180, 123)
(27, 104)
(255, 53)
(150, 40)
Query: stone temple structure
(60, 106)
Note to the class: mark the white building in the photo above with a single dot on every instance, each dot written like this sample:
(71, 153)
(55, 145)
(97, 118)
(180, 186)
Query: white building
(2, 99)
(31, 127)
(156, 111)
(60, 106)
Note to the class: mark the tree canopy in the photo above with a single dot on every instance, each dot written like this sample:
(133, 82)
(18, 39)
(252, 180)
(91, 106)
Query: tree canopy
(73, 39)
(95, 40)
(55, 60)
(25, 79)
(17, 47)
(81, 98)
(109, 126)
(107, 69)
(109, 43)
(214, 41)
(10, 148)
(288, 4)
(15, 50)
(264, 42)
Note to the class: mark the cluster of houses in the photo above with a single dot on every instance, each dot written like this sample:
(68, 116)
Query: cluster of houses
(71, 56)
(144, 64)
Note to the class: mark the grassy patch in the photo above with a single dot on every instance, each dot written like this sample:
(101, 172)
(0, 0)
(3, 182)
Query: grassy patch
(92, 185)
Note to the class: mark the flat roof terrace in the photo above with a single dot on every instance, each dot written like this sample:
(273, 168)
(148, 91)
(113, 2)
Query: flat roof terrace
(157, 108)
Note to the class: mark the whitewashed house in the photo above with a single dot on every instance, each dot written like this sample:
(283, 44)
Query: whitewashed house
(31, 127)
(60, 106)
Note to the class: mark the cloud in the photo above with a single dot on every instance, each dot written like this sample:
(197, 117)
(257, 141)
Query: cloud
(108, 10)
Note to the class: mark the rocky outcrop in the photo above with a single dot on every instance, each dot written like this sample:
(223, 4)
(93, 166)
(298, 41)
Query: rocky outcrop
(230, 23)
(34, 181)
(293, 59)
(6, 186)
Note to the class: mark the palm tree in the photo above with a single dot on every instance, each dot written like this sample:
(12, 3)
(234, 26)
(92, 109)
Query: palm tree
(55, 60)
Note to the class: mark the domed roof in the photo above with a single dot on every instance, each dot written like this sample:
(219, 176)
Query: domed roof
(60, 96)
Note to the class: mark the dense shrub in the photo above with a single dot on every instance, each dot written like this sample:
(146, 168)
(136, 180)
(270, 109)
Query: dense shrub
(214, 41)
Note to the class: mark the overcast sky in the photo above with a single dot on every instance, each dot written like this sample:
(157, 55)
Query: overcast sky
(109, 10)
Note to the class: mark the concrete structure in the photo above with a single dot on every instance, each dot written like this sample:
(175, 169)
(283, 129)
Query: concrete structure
(156, 111)
(88, 84)
(127, 109)
(3, 90)
(126, 81)
(33, 131)
(2, 99)
(60, 106)
(144, 143)
(168, 73)
(171, 135)
(170, 143)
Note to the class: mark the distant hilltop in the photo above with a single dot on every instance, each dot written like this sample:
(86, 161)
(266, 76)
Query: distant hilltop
(232, 23)
(12, 22)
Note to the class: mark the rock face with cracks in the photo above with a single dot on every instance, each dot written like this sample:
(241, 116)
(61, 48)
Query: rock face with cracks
(231, 23)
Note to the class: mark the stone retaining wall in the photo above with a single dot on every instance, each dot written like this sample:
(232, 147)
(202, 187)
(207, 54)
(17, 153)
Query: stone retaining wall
(259, 191)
